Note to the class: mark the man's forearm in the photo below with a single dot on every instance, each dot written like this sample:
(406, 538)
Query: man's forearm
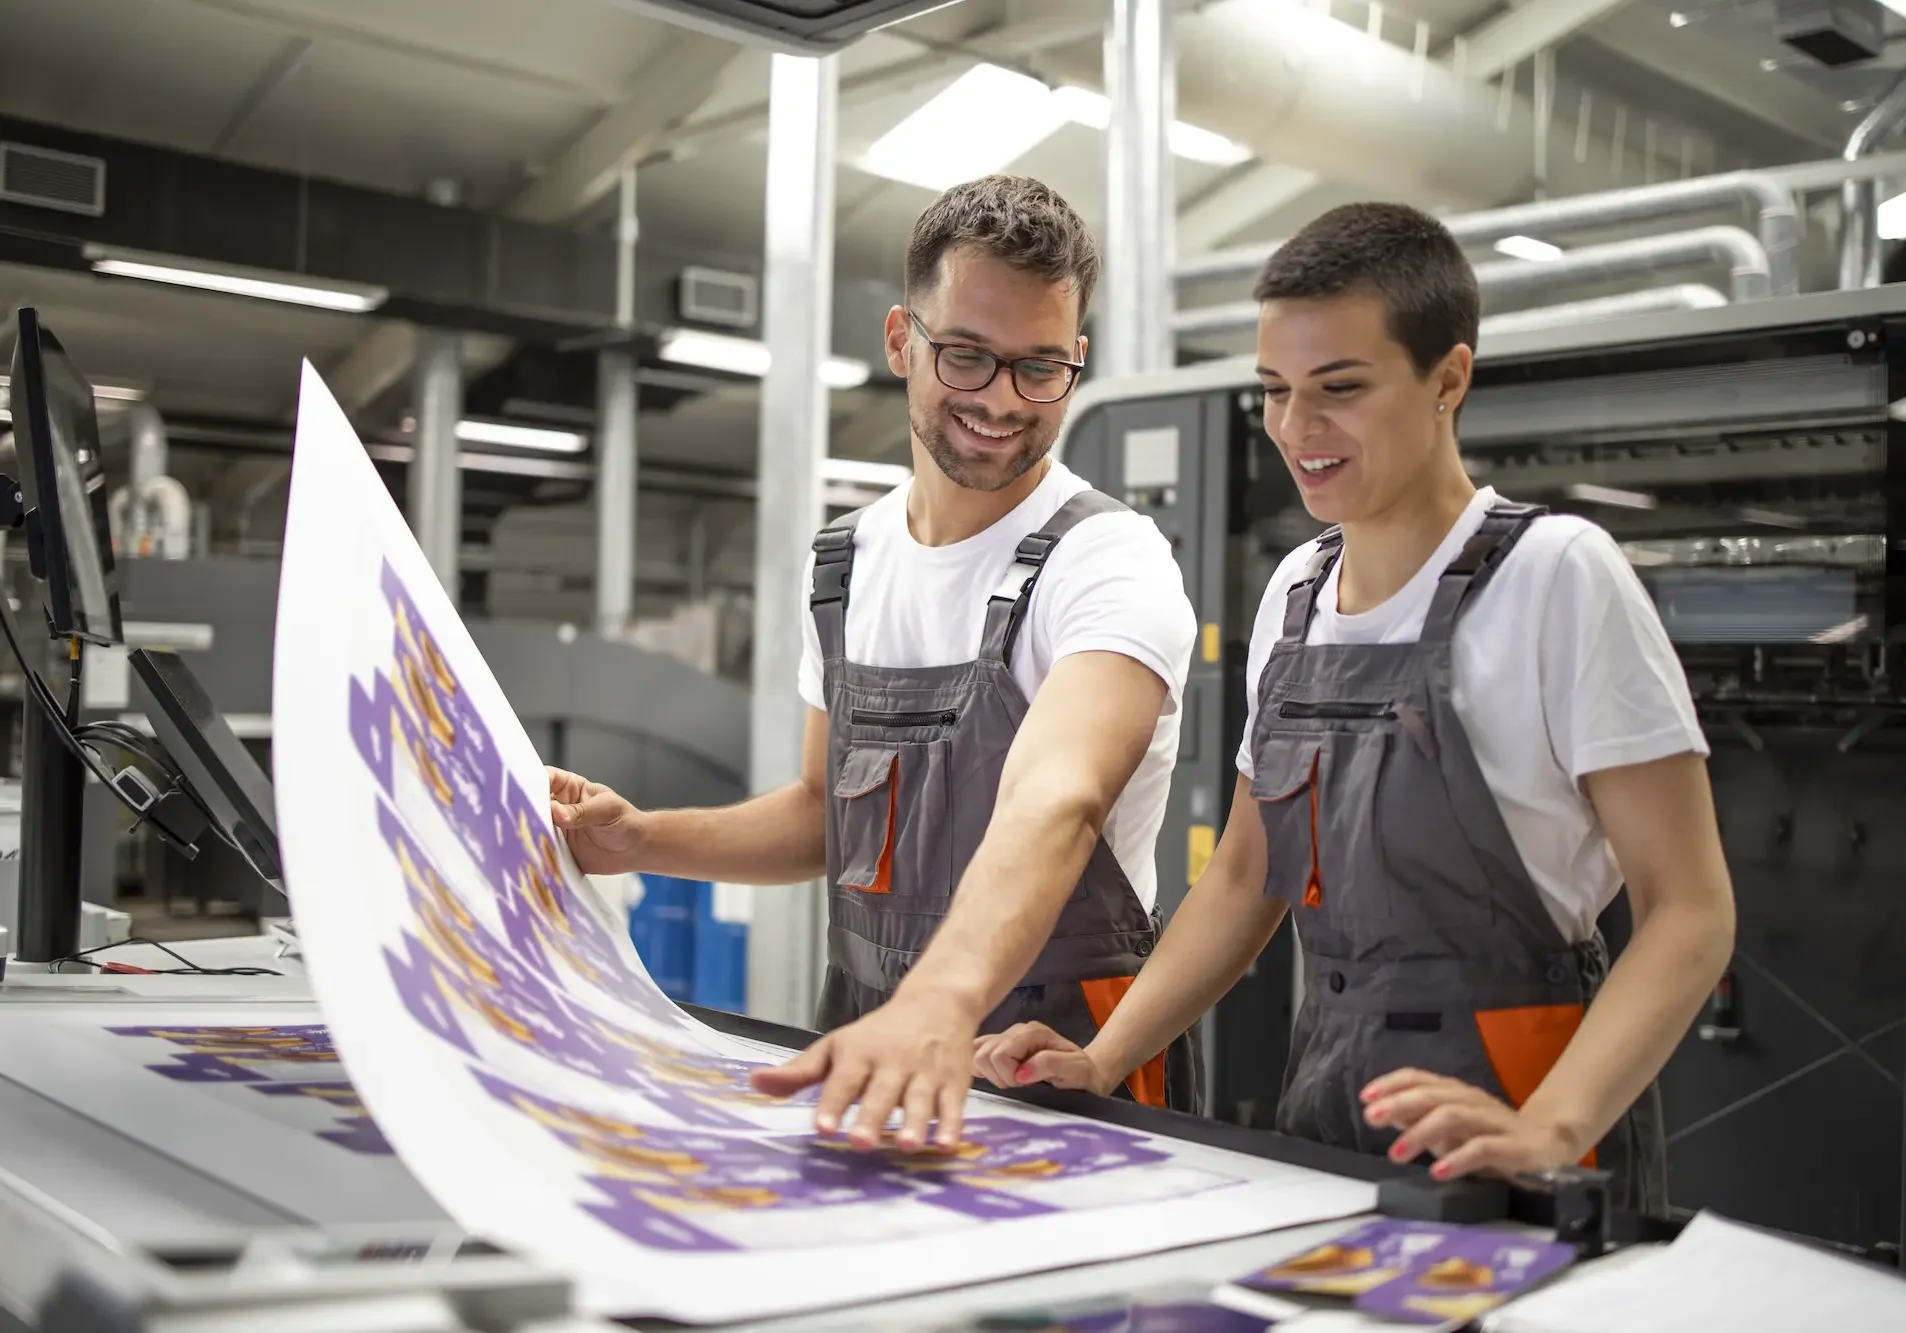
(779, 837)
(1007, 903)
(1653, 993)
(1220, 928)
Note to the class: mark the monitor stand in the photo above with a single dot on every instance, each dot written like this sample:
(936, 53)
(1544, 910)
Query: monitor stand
(52, 830)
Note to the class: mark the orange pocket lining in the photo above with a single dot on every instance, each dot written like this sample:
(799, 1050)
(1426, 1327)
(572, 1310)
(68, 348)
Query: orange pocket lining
(1147, 1082)
(883, 870)
(1524, 1044)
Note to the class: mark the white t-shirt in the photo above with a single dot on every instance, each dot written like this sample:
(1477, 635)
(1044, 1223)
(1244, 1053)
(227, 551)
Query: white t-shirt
(1110, 586)
(1561, 668)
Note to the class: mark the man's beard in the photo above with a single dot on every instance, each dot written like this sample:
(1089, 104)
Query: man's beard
(995, 472)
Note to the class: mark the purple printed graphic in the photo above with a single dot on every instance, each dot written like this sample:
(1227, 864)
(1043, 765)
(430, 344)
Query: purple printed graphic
(230, 1054)
(657, 1181)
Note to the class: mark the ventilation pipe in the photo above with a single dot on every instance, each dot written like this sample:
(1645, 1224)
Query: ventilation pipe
(153, 512)
(1651, 301)
(1773, 205)
(1515, 279)
(1859, 199)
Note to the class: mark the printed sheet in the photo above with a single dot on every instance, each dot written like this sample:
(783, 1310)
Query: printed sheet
(505, 1040)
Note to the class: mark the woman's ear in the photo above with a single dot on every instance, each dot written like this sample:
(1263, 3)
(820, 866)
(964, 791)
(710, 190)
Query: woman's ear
(1452, 378)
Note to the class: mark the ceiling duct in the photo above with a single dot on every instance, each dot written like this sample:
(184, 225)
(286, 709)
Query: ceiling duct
(1832, 32)
(1859, 199)
(43, 178)
(1622, 305)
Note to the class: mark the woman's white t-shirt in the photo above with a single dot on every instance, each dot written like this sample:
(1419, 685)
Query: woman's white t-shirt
(1561, 668)
(1110, 586)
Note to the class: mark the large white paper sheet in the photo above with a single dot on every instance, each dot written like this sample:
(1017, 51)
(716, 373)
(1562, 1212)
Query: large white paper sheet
(508, 1043)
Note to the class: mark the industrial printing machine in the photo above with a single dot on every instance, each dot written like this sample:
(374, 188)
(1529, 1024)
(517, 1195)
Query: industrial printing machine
(1752, 461)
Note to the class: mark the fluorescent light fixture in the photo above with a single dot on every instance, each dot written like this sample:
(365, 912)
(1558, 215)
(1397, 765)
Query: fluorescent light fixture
(1191, 142)
(1588, 493)
(109, 393)
(509, 436)
(260, 284)
(1773, 518)
(1677, 19)
(745, 356)
(858, 473)
(1527, 247)
(991, 116)
(1892, 224)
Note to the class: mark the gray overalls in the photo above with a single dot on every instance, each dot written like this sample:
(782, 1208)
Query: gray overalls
(1425, 942)
(914, 757)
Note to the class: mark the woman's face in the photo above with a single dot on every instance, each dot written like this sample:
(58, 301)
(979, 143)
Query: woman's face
(1358, 427)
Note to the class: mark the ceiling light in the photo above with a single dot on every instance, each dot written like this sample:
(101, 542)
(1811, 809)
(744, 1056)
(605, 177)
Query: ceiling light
(1892, 220)
(509, 436)
(260, 284)
(1527, 247)
(745, 356)
(1589, 493)
(1677, 19)
(111, 393)
(983, 120)
(856, 472)
(1191, 142)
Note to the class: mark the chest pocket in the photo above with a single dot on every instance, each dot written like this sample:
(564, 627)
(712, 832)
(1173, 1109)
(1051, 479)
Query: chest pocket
(890, 819)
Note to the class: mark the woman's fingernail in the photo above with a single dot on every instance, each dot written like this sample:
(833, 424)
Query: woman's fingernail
(1440, 1170)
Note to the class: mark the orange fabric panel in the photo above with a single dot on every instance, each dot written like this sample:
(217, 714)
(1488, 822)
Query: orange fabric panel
(1147, 1082)
(1314, 885)
(883, 871)
(1524, 1044)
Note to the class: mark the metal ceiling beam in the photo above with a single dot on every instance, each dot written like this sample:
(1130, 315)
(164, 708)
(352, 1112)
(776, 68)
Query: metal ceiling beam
(677, 79)
(1517, 33)
(1251, 193)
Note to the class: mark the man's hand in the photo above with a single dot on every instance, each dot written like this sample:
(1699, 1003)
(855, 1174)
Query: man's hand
(913, 1054)
(1033, 1053)
(604, 831)
(1465, 1128)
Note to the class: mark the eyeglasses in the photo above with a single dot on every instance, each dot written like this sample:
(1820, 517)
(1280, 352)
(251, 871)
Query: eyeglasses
(1038, 379)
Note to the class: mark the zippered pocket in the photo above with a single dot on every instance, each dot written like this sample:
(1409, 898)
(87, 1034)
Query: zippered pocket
(1345, 710)
(939, 717)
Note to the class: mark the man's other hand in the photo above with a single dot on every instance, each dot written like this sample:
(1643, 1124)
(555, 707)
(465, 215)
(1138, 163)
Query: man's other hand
(914, 1054)
(604, 832)
(1033, 1053)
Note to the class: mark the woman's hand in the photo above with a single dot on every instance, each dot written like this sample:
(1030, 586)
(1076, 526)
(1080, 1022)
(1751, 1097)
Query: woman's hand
(1467, 1130)
(1033, 1053)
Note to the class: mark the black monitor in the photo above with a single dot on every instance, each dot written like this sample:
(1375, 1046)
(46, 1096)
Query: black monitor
(63, 487)
(228, 782)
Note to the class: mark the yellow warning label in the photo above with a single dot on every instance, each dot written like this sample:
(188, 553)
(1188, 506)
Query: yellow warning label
(1210, 643)
(1202, 842)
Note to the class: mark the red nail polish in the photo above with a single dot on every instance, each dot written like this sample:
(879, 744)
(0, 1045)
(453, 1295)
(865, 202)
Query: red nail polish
(1440, 1170)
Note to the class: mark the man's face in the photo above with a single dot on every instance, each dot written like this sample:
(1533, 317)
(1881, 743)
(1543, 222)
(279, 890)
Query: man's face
(1343, 403)
(984, 438)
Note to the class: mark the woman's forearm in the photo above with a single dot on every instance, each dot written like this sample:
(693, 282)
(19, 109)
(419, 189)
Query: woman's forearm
(1645, 1007)
(1217, 932)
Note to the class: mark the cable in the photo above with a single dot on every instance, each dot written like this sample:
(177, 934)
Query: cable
(189, 969)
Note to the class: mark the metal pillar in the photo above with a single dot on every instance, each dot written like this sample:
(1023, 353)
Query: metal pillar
(615, 492)
(435, 486)
(786, 936)
(1134, 333)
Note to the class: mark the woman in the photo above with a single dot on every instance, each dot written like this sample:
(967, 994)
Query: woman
(1464, 717)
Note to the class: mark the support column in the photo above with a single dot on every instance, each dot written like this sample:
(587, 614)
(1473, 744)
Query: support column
(615, 492)
(786, 938)
(435, 487)
(1134, 328)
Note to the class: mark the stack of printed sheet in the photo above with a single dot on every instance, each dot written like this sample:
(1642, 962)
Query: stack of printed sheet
(500, 1034)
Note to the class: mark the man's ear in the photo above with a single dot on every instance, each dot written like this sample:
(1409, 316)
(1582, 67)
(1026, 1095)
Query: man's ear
(899, 331)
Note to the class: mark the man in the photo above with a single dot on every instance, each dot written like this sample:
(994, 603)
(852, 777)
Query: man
(994, 662)
(1467, 729)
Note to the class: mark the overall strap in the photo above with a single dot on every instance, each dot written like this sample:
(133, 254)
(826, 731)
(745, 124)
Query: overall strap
(1300, 603)
(833, 568)
(1482, 555)
(1006, 609)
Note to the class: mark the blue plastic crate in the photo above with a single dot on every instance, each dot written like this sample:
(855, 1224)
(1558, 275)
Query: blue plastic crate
(662, 928)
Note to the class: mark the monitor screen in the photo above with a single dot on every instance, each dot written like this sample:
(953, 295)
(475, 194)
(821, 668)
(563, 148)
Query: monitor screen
(213, 761)
(63, 486)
